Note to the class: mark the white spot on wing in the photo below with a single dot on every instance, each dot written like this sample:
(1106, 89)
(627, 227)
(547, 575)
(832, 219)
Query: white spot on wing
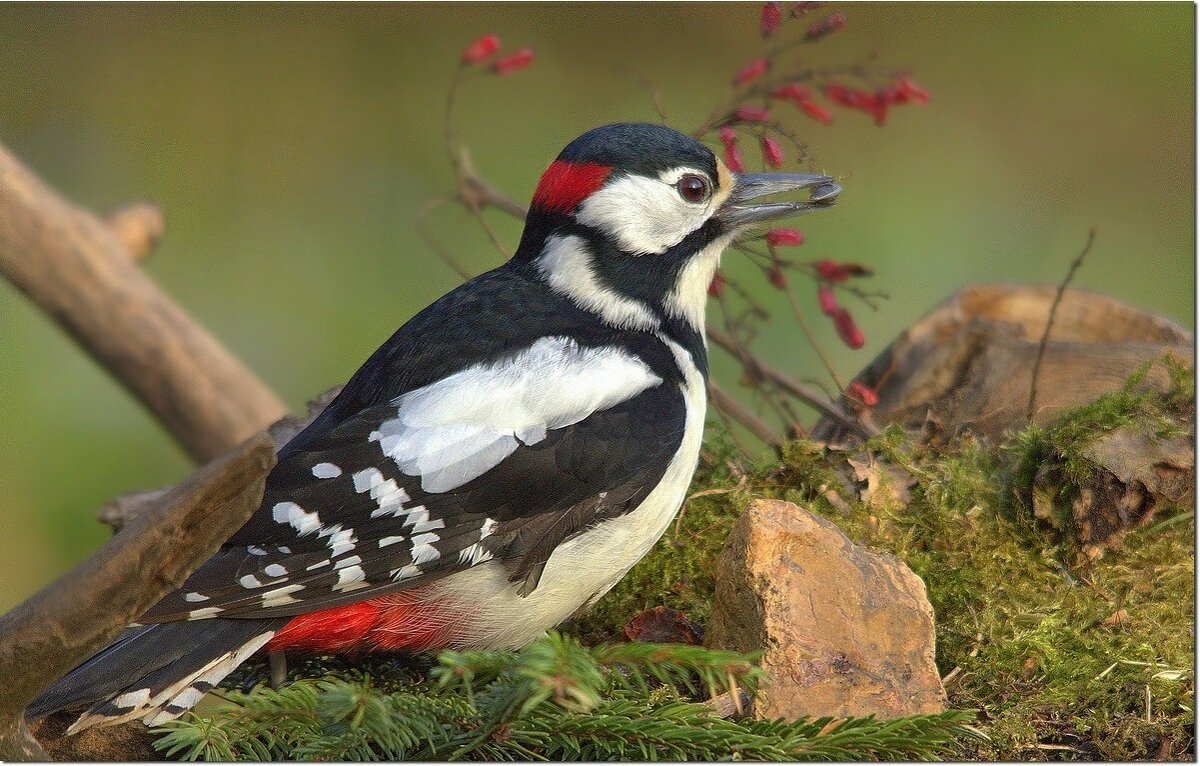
(205, 613)
(350, 578)
(193, 597)
(302, 521)
(406, 572)
(275, 570)
(132, 699)
(249, 581)
(386, 541)
(326, 471)
(281, 596)
(422, 548)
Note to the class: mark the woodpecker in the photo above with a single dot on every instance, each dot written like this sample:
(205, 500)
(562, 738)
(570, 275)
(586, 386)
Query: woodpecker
(498, 464)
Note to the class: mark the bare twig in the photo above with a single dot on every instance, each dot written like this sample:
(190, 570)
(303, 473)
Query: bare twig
(51, 632)
(139, 227)
(73, 266)
(722, 400)
(1037, 362)
(792, 386)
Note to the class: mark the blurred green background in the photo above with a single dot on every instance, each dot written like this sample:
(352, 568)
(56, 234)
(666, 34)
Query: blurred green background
(291, 147)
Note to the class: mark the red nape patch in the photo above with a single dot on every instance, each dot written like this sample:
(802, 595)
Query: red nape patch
(391, 622)
(565, 184)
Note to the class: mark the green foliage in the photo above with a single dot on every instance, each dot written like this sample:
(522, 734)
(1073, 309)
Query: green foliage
(553, 700)
(1032, 642)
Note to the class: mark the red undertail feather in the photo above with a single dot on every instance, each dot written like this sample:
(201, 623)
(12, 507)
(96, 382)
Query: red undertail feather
(565, 184)
(388, 623)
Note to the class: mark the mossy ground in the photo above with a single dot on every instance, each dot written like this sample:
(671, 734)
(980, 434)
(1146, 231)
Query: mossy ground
(1062, 658)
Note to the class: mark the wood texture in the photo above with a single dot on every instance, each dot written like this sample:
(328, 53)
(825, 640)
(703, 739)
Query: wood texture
(76, 269)
(51, 632)
(967, 365)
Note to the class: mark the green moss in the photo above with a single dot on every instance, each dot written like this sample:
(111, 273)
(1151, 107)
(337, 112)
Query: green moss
(1035, 645)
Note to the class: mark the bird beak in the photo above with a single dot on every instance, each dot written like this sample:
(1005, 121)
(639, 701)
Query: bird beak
(736, 213)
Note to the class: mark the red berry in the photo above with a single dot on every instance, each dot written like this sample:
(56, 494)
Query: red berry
(785, 237)
(776, 277)
(480, 49)
(847, 330)
(833, 272)
(769, 21)
(913, 91)
(728, 136)
(733, 159)
(827, 300)
(772, 152)
(838, 93)
(751, 71)
(831, 23)
(817, 112)
(513, 62)
(751, 114)
(864, 393)
(716, 288)
(793, 91)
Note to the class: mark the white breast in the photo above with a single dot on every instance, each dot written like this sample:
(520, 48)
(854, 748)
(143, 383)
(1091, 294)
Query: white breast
(586, 566)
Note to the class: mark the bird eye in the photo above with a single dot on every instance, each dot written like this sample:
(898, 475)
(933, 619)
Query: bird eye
(693, 188)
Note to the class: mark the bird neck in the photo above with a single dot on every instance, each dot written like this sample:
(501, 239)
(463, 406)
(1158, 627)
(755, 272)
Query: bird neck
(664, 293)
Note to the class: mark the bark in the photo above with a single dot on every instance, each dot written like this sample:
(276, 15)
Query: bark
(75, 267)
(968, 364)
(51, 632)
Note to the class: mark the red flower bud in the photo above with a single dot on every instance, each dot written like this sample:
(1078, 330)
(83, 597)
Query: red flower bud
(751, 71)
(832, 272)
(837, 93)
(831, 23)
(480, 49)
(864, 393)
(913, 91)
(827, 300)
(728, 136)
(751, 114)
(770, 19)
(817, 112)
(793, 91)
(716, 288)
(513, 62)
(847, 330)
(772, 152)
(890, 94)
(785, 237)
(733, 159)
(776, 277)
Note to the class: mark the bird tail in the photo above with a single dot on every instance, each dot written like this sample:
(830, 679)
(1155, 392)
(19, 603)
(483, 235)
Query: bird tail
(154, 672)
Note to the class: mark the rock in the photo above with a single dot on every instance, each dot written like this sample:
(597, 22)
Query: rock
(846, 630)
(1135, 472)
(967, 364)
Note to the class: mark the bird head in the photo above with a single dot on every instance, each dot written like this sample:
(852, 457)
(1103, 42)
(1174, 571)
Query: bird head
(630, 221)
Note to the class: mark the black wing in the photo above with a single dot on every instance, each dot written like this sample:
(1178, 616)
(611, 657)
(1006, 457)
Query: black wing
(341, 520)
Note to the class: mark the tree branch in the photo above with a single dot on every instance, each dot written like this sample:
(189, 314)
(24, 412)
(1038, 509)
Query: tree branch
(54, 630)
(76, 268)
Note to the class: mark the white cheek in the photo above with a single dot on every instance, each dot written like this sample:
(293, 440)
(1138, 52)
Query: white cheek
(645, 215)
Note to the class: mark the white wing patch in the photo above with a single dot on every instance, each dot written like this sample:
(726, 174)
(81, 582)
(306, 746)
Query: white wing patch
(458, 428)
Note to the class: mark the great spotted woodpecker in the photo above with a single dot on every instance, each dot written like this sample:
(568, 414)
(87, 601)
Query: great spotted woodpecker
(498, 464)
